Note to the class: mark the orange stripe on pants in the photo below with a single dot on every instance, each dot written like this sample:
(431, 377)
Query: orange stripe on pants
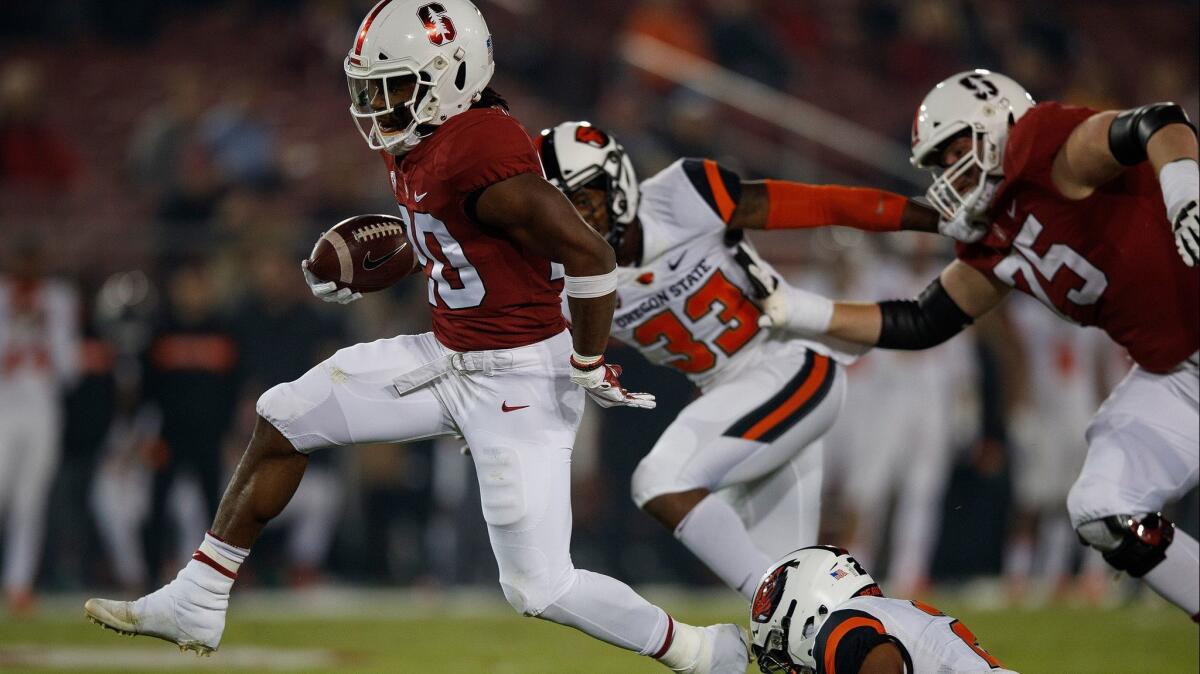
(794, 401)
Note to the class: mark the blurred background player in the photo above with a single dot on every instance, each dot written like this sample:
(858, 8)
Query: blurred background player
(899, 461)
(39, 358)
(1061, 376)
(817, 610)
(192, 376)
(1061, 198)
(737, 476)
(498, 245)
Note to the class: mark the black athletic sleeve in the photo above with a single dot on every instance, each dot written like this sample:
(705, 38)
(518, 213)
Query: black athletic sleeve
(918, 324)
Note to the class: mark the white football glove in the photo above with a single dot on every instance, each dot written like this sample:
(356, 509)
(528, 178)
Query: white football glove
(1187, 233)
(327, 290)
(1180, 182)
(963, 228)
(765, 286)
(600, 382)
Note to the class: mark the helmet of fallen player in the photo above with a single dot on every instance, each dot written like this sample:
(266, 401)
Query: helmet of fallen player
(576, 155)
(982, 105)
(793, 600)
(413, 65)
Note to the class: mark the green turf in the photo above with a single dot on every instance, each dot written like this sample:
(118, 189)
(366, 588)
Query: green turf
(1060, 641)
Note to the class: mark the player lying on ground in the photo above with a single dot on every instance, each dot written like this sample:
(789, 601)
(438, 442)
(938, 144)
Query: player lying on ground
(817, 610)
(737, 476)
(500, 368)
(1072, 214)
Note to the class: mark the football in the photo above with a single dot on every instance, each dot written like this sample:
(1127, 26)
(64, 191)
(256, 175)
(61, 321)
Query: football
(364, 253)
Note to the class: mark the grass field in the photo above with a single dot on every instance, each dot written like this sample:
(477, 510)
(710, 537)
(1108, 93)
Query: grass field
(374, 633)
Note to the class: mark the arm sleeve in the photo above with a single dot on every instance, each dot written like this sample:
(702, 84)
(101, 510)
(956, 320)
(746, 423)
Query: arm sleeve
(720, 187)
(845, 640)
(494, 149)
(922, 323)
(797, 206)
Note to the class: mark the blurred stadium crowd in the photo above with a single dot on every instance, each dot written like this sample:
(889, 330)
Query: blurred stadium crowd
(169, 164)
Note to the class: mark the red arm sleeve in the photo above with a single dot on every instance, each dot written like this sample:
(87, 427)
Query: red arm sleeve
(797, 206)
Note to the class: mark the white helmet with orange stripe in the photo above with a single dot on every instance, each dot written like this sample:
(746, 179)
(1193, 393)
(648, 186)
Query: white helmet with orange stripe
(794, 598)
(415, 64)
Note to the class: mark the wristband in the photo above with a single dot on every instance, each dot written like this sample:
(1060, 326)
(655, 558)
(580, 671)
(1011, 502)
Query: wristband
(1180, 182)
(585, 287)
(807, 312)
(586, 363)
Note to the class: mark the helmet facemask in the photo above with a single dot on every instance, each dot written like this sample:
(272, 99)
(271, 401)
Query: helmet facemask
(971, 202)
(396, 126)
(608, 177)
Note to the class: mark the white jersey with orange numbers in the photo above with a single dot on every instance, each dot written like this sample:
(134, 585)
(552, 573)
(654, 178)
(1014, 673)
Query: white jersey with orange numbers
(930, 641)
(39, 340)
(687, 304)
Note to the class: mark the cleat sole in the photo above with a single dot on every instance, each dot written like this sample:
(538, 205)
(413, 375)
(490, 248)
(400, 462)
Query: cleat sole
(195, 647)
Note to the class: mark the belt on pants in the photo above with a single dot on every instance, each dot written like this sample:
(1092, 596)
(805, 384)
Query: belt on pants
(486, 362)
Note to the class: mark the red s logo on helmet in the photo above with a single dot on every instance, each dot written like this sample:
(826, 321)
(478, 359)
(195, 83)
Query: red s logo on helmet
(591, 135)
(438, 25)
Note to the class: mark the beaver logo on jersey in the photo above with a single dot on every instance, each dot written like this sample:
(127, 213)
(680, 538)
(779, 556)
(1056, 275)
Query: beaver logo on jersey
(590, 135)
(437, 22)
(770, 591)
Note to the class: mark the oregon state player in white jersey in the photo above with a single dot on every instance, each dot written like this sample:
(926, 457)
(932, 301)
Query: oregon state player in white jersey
(39, 357)
(817, 610)
(497, 244)
(737, 476)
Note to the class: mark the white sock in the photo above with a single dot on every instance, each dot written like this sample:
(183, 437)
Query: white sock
(1177, 578)
(683, 651)
(714, 533)
(215, 564)
(609, 610)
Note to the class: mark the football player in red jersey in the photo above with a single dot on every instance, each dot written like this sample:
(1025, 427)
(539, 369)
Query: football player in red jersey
(1090, 212)
(498, 244)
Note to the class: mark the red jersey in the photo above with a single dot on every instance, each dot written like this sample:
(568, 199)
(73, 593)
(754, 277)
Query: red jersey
(487, 291)
(1108, 260)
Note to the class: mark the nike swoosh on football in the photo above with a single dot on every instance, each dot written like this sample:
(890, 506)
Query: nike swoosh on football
(673, 265)
(370, 264)
(504, 407)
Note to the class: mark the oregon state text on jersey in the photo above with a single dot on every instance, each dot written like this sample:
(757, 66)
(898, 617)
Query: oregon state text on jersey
(686, 305)
(1108, 260)
(486, 291)
(929, 640)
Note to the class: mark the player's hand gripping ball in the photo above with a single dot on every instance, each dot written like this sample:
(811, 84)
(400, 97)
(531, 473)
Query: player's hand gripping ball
(358, 255)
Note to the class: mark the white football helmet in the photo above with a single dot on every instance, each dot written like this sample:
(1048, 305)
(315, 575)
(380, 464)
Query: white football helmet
(445, 46)
(982, 103)
(793, 600)
(577, 154)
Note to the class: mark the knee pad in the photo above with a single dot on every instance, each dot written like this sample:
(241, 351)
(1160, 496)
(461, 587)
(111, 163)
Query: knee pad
(531, 593)
(1130, 543)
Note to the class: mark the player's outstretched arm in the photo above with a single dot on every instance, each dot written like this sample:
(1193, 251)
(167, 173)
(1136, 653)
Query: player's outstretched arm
(950, 303)
(781, 204)
(537, 216)
(1107, 142)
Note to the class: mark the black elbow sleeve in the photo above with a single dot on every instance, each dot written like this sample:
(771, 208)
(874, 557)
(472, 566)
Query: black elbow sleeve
(1131, 130)
(922, 323)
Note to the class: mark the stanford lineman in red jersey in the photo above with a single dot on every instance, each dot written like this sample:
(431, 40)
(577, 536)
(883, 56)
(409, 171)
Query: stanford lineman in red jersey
(1094, 214)
(497, 244)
